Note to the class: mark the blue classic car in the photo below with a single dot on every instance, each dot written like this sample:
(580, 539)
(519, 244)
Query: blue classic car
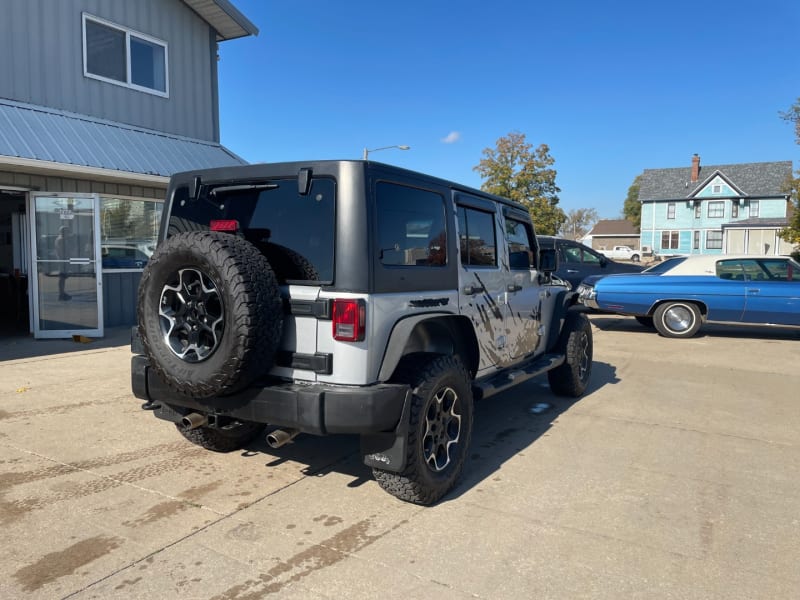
(680, 294)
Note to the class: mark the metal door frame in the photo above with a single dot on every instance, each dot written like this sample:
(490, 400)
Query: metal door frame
(33, 277)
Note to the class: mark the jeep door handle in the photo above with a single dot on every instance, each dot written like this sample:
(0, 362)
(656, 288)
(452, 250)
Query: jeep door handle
(513, 287)
(572, 271)
(470, 290)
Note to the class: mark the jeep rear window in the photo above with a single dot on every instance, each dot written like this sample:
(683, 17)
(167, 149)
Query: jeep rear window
(410, 226)
(295, 232)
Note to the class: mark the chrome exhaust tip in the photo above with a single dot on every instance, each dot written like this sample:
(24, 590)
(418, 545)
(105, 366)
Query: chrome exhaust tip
(194, 420)
(279, 437)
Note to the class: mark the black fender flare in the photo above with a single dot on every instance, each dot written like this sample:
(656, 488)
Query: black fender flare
(566, 299)
(397, 344)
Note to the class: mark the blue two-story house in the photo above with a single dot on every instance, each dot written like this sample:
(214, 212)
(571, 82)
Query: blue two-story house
(716, 209)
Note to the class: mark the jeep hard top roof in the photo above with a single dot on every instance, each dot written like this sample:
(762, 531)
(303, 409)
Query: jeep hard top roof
(219, 175)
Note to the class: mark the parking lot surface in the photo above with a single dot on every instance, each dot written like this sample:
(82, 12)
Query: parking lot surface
(676, 476)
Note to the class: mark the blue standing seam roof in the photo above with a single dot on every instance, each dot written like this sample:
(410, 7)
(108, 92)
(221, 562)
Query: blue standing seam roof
(40, 133)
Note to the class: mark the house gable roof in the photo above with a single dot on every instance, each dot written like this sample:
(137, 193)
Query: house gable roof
(613, 227)
(224, 17)
(711, 178)
(765, 179)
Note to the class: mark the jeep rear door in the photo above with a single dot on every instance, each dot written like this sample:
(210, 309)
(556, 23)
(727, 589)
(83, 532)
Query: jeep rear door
(482, 278)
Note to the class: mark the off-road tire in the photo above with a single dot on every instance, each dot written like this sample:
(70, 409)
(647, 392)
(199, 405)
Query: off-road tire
(635, 258)
(441, 392)
(227, 320)
(677, 319)
(575, 342)
(224, 439)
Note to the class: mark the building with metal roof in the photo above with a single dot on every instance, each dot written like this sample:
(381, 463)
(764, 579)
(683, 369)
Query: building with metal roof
(96, 112)
(36, 138)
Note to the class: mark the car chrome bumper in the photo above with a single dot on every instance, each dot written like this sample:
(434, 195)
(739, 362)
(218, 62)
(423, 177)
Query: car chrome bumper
(587, 296)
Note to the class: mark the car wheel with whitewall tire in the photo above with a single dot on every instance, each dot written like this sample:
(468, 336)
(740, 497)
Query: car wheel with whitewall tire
(576, 343)
(677, 319)
(439, 429)
(222, 439)
(210, 313)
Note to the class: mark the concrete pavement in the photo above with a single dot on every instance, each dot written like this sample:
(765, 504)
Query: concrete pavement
(676, 476)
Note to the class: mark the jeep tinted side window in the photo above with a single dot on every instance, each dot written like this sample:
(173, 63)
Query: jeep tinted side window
(520, 248)
(476, 237)
(411, 229)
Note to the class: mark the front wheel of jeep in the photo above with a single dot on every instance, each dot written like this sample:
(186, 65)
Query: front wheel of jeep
(439, 430)
(572, 377)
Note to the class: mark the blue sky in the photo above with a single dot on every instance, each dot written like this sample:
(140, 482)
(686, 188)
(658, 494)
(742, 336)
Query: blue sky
(611, 87)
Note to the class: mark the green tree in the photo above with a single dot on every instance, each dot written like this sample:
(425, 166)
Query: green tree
(579, 222)
(792, 233)
(632, 209)
(514, 170)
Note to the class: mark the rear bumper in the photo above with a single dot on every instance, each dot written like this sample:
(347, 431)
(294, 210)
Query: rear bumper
(317, 409)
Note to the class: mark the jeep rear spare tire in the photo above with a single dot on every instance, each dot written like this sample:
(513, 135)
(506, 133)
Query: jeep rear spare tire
(210, 313)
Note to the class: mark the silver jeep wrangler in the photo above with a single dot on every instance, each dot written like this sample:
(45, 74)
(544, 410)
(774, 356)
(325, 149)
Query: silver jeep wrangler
(348, 297)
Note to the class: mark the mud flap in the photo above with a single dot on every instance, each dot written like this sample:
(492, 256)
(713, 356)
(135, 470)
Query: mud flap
(387, 450)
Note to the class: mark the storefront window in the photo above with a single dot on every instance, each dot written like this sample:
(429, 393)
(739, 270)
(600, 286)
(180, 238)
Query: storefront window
(129, 230)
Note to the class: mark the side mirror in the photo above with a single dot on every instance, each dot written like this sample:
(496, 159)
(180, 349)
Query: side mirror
(548, 260)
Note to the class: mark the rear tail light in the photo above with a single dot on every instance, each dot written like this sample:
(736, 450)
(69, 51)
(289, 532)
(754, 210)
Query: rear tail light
(224, 225)
(349, 320)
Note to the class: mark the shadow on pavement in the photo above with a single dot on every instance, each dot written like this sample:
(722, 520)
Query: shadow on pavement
(510, 422)
(505, 424)
(629, 324)
(16, 347)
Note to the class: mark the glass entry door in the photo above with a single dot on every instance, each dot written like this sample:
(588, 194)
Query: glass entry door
(67, 282)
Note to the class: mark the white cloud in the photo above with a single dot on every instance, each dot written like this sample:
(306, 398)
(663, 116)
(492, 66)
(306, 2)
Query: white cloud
(451, 138)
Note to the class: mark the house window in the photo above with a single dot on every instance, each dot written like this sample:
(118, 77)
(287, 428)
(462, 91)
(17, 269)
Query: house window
(669, 240)
(716, 210)
(696, 241)
(716, 189)
(754, 208)
(734, 209)
(698, 210)
(714, 240)
(671, 210)
(124, 57)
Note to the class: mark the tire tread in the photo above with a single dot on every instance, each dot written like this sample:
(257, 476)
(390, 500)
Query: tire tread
(410, 485)
(257, 311)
